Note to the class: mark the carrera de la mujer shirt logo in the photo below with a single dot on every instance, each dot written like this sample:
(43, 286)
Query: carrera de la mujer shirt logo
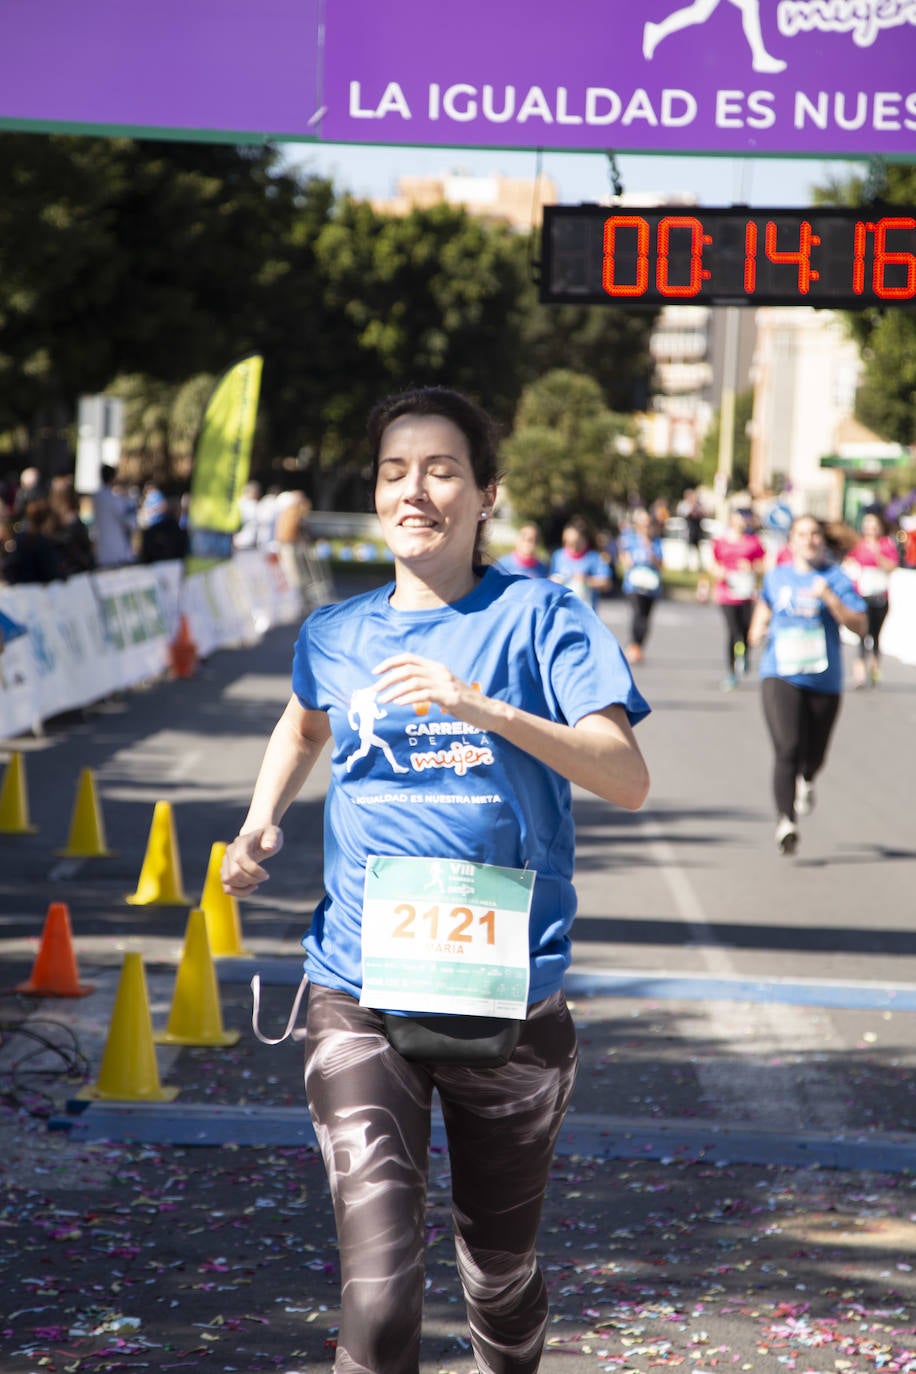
(462, 746)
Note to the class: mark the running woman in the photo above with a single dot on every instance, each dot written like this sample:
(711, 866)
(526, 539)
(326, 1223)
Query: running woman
(870, 563)
(737, 560)
(801, 607)
(495, 693)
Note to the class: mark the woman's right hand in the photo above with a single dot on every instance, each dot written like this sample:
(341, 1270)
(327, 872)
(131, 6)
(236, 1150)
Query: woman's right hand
(241, 872)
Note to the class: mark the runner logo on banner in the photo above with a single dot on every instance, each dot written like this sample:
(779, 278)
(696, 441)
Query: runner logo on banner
(446, 935)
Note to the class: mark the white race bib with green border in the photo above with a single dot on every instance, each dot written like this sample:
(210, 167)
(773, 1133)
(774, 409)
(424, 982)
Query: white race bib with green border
(446, 935)
(741, 584)
(801, 649)
(873, 582)
(644, 578)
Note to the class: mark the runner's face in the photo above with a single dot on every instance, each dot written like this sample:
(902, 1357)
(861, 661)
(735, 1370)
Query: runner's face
(807, 542)
(426, 497)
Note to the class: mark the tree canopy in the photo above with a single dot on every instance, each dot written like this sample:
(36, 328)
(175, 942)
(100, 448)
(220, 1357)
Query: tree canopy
(887, 394)
(146, 267)
(568, 454)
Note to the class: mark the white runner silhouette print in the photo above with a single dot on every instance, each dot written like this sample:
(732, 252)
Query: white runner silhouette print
(363, 713)
(701, 10)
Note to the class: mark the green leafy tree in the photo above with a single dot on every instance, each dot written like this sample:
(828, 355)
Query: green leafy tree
(887, 394)
(568, 454)
(741, 455)
(431, 298)
(598, 341)
(125, 257)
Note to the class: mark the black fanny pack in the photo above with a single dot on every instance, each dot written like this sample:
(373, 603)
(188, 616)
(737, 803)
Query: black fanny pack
(479, 1042)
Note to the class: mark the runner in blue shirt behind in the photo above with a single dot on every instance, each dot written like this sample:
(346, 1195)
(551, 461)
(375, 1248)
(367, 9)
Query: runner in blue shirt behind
(578, 565)
(799, 612)
(460, 704)
(641, 559)
(523, 558)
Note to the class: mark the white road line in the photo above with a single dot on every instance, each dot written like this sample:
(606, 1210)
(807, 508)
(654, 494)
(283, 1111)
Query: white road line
(759, 1060)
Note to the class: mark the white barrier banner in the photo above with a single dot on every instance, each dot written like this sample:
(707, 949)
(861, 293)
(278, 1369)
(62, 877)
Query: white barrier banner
(134, 622)
(169, 578)
(103, 632)
(898, 636)
(19, 711)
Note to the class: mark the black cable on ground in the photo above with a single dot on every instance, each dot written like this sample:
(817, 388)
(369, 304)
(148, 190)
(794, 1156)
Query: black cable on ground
(21, 1082)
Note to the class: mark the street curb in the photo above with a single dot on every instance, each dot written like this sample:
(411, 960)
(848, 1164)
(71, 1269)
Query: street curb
(608, 1137)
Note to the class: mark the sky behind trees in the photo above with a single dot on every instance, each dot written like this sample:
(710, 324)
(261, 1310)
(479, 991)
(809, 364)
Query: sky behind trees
(374, 171)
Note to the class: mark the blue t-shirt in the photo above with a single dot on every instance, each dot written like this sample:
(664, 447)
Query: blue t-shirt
(643, 575)
(569, 572)
(431, 785)
(799, 616)
(510, 564)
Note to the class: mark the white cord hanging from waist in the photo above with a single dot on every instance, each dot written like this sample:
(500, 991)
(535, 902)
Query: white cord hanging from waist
(298, 1033)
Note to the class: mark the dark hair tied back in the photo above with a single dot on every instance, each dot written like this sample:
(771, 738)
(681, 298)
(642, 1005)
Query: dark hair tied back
(475, 424)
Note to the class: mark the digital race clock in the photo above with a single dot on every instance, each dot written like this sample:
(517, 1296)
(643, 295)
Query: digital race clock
(834, 258)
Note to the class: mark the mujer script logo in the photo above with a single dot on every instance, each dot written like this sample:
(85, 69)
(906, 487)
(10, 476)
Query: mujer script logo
(864, 19)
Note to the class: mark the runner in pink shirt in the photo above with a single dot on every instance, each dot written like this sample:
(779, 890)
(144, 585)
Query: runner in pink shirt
(870, 563)
(738, 558)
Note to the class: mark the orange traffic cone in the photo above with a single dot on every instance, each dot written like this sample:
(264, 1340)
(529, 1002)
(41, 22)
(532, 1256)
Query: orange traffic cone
(14, 800)
(54, 973)
(160, 877)
(183, 651)
(224, 927)
(87, 831)
(195, 1017)
(129, 1072)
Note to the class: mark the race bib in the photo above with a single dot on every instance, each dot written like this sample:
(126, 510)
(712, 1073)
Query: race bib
(873, 582)
(446, 935)
(645, 579)
(741, 584)
(801, 649)
(579, 587)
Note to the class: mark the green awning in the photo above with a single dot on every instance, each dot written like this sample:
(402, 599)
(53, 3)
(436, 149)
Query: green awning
(866, 462)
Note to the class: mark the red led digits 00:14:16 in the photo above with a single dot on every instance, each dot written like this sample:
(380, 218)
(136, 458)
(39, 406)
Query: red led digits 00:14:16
(639, 260)
(883, 258)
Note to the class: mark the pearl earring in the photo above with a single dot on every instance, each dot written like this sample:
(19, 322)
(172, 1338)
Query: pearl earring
(483, 515)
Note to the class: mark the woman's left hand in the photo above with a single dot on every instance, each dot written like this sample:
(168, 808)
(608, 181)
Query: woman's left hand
(409, 680)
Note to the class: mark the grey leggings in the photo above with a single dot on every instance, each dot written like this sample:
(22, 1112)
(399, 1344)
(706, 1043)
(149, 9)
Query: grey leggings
(371, 1111)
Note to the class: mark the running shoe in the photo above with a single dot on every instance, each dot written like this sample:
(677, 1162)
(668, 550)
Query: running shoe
(729, 683)
(804, 797)
(786, 835)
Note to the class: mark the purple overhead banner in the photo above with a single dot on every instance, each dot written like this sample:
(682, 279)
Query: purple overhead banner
(730, 76)
(807, 77)
(205, 67)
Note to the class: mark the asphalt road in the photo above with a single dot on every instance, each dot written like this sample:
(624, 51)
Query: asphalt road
(747, 1027)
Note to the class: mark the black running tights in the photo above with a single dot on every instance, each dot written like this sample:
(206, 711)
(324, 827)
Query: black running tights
(641, 608)
(877, 614)
(800, 723)
(737, 623)
(371, 1110)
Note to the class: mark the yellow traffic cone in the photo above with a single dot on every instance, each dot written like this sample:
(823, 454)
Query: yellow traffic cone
(14, 800)
(129, 1072)
(221, 909)
(87, 831)
(195, 1017)
(160, 877)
